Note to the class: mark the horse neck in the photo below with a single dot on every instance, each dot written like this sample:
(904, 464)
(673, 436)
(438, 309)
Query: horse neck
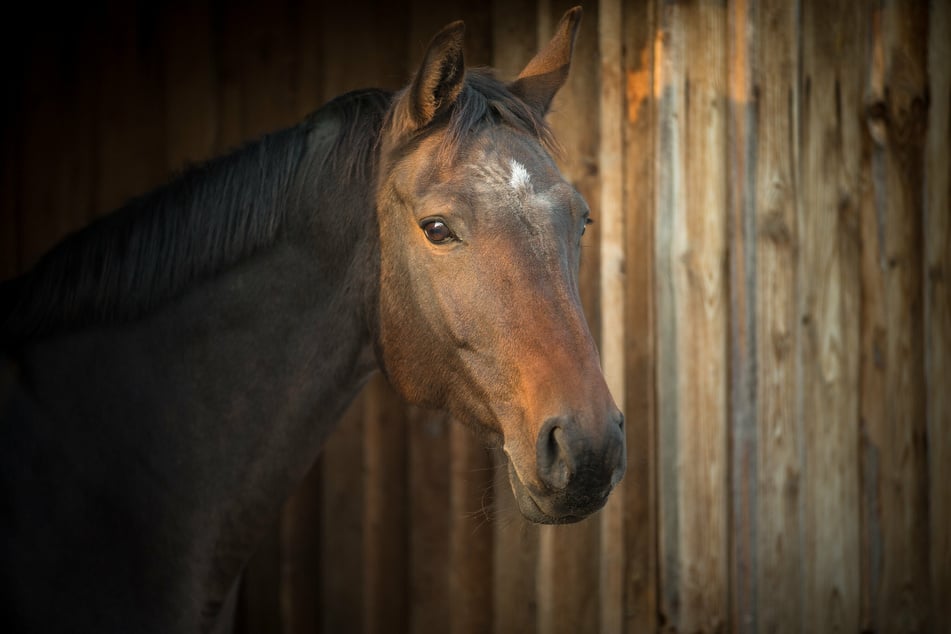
(214, 405)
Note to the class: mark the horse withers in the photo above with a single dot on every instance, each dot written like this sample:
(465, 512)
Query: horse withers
(171, 371)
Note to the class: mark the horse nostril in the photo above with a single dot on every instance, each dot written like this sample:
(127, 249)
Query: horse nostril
(553, 455)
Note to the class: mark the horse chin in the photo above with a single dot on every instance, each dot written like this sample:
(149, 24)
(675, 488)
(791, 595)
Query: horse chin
(533, 509)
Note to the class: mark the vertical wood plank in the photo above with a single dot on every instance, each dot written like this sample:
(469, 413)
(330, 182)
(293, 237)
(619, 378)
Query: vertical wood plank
(429, 547)
(515, 541)
(938, 311)
(828, 303)
(638, 496)
(11, 117)
(300, 557)
(131, 129)
(743, 439)
(937, 318)
(568, 573)
(58, 190)
(190, 76)
(385, 515)
(692, 317)
(342, 525)
(612, 268)
(776, 599)
(893, 408)
(470, 547)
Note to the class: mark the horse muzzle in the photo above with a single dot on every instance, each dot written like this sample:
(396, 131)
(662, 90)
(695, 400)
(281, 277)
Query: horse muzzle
(575, 470)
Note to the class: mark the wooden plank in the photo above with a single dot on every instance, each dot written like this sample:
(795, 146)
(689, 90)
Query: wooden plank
(515, 557)
(638, 495)
(470, 538)
(828, 302)
(429, 547)
(300, 556)
(893, 397)
(572, 551)
(131, 130)
(692, 317)
(612, 269)
(11, 118)
(742, 135)
(515, 541)
(385, 511)
(776, 598)
(57, 166)
(190, 82)
(342, 525)
(937, 312)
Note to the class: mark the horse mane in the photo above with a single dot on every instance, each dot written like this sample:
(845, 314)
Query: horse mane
(215, 214)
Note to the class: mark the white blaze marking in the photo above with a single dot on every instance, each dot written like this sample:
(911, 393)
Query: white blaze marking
(520, 179)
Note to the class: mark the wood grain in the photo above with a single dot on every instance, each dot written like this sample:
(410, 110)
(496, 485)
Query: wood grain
(937, 312)
(893, 406)
(776, 602)
(743, 243)
(828, 304)
(692, 317)
(638, 496)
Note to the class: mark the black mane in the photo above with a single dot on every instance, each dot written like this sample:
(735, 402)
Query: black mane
(215, 214)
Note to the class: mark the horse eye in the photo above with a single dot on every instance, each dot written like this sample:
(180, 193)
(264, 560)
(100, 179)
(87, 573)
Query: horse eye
(587, 221)
(437, 232)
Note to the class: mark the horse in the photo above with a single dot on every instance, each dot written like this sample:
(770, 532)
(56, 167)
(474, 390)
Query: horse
(170, 371)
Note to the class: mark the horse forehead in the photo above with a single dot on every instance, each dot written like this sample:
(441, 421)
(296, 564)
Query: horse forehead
(522, 184)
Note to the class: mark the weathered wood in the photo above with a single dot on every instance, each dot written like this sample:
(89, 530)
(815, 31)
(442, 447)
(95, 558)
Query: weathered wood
(638, 495)
(300, 565)
(514, 560)
(190, 77)
(692, 317)
(131, 131)
(742, 139)
(828, 305)
(342, 525)
(937, 312)
(385, 519)
(893, 397)
(429, 547)
(612, 287)
(10, 179)
(775, 601)
(470, 537)
(568, 573)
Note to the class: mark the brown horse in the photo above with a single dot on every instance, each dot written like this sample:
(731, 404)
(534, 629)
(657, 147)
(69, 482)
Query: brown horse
(171, 371)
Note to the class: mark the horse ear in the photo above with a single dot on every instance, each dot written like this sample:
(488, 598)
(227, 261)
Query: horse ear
(548, 70)
(440, 77)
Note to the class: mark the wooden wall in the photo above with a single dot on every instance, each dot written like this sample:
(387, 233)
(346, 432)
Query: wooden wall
(768, 279)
